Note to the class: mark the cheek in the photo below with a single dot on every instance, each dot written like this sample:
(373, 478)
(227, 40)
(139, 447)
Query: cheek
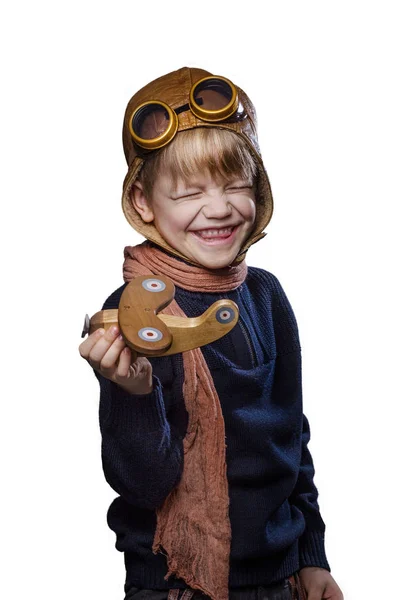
(183, 215)
(247, 208)
(170, 221)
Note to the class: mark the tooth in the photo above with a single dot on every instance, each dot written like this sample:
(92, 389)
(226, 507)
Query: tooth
(215, 232)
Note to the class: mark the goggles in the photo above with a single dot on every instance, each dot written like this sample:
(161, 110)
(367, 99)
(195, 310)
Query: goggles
(213, 99)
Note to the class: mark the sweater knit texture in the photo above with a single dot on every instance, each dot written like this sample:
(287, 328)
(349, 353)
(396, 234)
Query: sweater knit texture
(273, 508)
(193, 526)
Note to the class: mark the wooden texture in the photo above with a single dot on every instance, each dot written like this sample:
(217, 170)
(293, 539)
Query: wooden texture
(150, 333)
(142, 298)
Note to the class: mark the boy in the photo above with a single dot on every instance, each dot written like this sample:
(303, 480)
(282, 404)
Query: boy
(207, 449)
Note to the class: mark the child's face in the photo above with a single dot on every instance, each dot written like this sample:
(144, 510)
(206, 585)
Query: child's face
(207, 219)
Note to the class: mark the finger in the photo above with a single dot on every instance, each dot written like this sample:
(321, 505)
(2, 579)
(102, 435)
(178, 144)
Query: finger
(144, 369)
(124, 363)
(111, 357)
(102, 345)
(138, 365)
(86, 346)
(134, 368)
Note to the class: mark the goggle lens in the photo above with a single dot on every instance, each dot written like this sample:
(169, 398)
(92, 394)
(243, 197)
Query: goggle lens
(150, 121)
(213, 94)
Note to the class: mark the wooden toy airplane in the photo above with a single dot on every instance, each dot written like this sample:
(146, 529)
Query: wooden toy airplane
(150, 334)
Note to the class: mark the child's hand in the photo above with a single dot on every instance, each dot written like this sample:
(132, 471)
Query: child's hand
(319, 584)
(107, 353)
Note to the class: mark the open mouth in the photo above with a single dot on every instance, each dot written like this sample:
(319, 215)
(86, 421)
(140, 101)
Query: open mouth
(215, 236)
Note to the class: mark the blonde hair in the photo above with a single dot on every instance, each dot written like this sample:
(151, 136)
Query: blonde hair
(220, 151)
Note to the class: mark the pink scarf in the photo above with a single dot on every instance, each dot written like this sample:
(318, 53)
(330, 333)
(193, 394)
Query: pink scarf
(193, 525)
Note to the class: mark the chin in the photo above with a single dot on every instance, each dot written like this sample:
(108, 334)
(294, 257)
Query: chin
(217, 264)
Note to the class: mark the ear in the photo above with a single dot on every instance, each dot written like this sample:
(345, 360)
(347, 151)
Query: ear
(141, 203)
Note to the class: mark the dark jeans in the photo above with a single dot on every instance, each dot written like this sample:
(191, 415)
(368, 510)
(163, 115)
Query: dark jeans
(288, 589)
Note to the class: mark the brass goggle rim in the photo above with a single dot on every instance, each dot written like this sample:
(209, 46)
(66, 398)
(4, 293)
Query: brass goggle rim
(165, 137)
(212, 116)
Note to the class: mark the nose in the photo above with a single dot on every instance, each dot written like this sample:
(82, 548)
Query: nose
(217, 207)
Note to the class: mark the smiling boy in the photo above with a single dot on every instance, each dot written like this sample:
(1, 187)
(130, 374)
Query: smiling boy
(210, 235)
(207, 449)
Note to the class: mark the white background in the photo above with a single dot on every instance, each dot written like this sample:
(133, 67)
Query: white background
(324, 77)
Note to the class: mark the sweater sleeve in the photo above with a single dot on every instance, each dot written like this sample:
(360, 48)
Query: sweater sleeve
(305, 498)
(305, 494)
(142, 452)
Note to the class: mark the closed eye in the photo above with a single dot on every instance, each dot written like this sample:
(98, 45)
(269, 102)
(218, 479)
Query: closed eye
(242, 187)
(194, 195)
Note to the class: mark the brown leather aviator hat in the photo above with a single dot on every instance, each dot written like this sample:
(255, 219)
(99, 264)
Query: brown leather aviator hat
(181, 100)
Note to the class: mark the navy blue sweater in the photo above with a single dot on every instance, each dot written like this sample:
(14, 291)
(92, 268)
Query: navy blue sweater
(274, 513)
